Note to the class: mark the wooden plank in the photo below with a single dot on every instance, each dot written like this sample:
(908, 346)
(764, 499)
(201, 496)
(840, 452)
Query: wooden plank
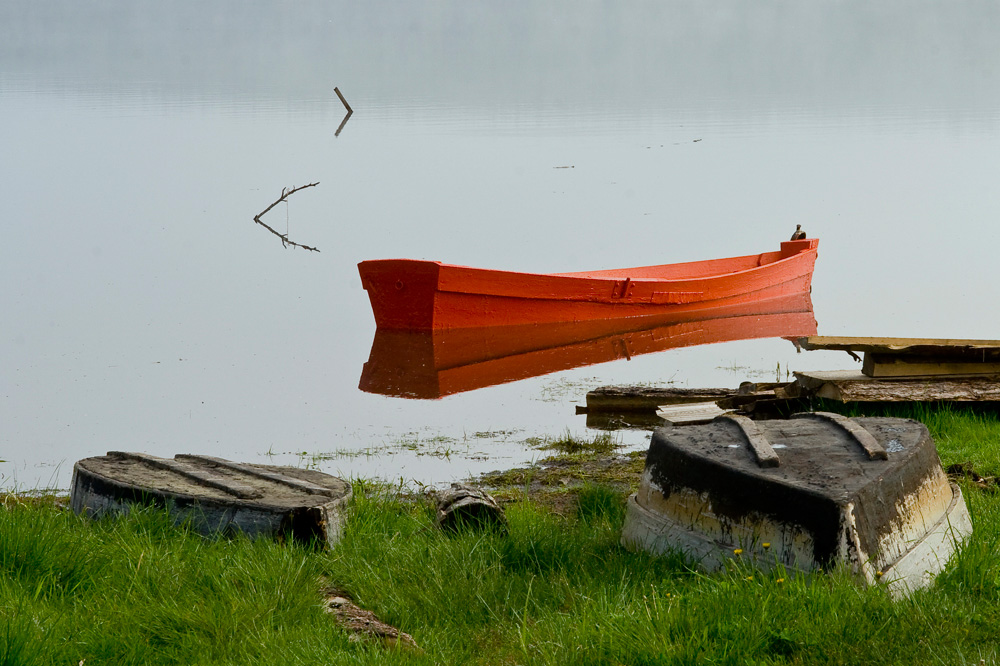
(702, 412)
(872, 448)
(625, 399)
(919, 346)
(761, 448)
(623, 420)
(891, 365)
(250, 470)
(195, 474)
(750, 393)
(853, 386)
(647, 399)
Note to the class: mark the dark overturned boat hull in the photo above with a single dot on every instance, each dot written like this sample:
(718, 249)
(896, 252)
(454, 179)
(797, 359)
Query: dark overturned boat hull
(214, 495)
(811, 493)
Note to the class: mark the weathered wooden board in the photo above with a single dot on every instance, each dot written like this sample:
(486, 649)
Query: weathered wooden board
(647, 399)
(623, 420)
(854, 386)
(905, 365)
(977, 349)
(625, 399)
(701, 412)
(877, 344)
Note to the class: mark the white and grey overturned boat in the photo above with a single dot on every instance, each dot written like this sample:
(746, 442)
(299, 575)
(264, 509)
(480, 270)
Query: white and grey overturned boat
(811, 492)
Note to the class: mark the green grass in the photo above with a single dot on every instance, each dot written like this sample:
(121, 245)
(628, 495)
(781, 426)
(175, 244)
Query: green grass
(138, 590)
(556, 589)
(561, 591)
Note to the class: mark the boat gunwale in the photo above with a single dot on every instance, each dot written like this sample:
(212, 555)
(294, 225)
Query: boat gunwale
(593, 279)
(577, 276)
(747, 257)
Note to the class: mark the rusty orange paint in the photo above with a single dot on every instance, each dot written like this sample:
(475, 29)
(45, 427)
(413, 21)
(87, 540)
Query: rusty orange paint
(428, 295)
(437, 363)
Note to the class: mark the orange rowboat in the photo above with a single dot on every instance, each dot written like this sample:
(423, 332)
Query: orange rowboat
(434, 364)
(428, 295)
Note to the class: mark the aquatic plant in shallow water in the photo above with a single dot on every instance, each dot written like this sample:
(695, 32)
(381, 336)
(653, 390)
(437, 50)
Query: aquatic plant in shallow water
(603, 443)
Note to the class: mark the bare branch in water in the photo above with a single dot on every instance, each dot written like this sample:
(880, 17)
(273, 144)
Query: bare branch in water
(343, 101)
(346, 106)
(285, 193)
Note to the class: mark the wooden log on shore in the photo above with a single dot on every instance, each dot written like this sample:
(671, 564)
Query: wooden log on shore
(648, 399)
(465, 505)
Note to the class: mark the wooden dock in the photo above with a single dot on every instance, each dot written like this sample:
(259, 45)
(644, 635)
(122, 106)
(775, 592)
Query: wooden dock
(907, 370)
(893, 370)
(854, 386)
(914, 357)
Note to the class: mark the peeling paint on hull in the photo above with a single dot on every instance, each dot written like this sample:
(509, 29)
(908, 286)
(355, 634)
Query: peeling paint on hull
(895, 521)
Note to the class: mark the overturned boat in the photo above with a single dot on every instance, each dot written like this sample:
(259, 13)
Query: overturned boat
(215, 495)
(428, 295)
(813, 492)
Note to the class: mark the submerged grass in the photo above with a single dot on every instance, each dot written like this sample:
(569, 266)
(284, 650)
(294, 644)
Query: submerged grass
(602, 444)
(556, 589)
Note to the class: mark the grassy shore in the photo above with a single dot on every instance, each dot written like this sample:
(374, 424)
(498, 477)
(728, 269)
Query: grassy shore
(555, 589)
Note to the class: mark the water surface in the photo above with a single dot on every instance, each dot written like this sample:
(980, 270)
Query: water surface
(143, 310)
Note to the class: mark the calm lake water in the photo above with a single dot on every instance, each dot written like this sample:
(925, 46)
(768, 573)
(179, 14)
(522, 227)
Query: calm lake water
(142, 309)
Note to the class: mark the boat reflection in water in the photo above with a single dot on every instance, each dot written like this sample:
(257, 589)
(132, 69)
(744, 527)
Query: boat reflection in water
(436, 363)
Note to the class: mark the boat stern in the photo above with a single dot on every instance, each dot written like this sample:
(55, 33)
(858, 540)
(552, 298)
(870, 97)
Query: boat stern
(791, 248)
(401, 292)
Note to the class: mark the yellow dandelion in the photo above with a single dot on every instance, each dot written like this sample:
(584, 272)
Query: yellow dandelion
(737, 551)
(780, 580)
(766, 544)
(878, 574)
(749, 577)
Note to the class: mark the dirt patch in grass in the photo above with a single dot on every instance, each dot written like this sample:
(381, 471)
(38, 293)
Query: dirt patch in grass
(556, 482)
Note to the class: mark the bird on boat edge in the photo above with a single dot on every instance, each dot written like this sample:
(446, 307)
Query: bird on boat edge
(799, 234)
